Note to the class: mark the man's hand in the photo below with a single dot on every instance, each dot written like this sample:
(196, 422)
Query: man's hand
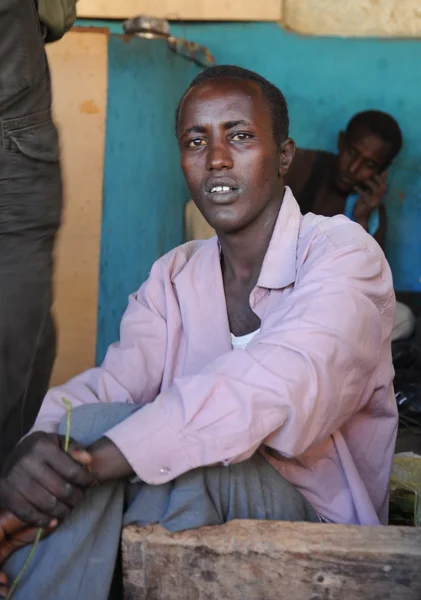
(15, 534)
(40, 482)
(370, 198)
(108, 462)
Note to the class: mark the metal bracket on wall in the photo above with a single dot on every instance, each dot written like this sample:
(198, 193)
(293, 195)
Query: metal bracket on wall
(153, 28)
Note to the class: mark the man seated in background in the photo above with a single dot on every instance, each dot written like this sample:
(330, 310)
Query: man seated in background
(252, 379)
(353, 182)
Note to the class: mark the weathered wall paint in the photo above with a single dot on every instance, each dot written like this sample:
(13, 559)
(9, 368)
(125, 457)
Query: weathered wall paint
(144, 191)
(354, 17)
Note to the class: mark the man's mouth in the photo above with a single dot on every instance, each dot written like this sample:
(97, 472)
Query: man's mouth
(222, 189)
(221, 186)
(345, 181)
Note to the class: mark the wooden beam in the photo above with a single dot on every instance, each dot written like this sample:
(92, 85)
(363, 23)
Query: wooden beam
(198, 10)
(268, 560)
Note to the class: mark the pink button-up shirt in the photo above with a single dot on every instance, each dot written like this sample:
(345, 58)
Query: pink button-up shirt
(313, 390)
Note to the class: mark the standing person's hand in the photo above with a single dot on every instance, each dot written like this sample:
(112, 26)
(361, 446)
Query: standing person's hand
(4, 585)
(15, 534)
(369, 198)
(40, 482)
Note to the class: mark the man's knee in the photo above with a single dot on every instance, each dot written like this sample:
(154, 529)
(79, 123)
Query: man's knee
(91, 421)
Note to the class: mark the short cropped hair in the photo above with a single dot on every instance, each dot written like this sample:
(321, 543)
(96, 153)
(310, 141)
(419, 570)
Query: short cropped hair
(380, 124)
(274, 98)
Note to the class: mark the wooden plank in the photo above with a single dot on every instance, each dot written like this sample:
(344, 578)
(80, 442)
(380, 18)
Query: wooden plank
(79, 76)
(200, 10)
(268, 560)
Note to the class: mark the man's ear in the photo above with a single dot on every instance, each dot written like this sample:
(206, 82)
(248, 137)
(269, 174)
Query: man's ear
(286, 155)
(341, 141)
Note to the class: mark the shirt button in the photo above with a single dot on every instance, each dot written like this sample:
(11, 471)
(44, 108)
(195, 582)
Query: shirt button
(164, 470)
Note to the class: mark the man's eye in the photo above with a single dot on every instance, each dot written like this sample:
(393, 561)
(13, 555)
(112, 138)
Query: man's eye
(241, 136)
(196, 143)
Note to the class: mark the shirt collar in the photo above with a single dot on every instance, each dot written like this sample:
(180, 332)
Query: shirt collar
(279, 265)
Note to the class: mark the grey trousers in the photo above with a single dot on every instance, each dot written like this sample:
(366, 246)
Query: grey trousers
(77, 561)
(30, 211)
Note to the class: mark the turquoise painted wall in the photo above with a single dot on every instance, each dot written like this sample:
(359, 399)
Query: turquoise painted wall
(325, 80)
(144, 191)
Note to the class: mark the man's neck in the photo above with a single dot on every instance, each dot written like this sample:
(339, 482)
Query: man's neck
(243, 252)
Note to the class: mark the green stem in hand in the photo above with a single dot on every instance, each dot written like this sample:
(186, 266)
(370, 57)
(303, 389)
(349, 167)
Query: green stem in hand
(68, 423)
(40, 530)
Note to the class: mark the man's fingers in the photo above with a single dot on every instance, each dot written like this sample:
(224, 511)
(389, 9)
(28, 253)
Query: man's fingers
(23, 508)
(65, 492)
(4, 589)
(363, 194)
(22, 538)
(361, 191)
(372, 186)
(43, 501)
(69, 469)
(9, 524)
(380, 184)
(79, 454)
(48, 450)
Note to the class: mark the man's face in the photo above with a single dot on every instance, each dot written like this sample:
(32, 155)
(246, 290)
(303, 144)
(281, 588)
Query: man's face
(361, 156)
(229, 157)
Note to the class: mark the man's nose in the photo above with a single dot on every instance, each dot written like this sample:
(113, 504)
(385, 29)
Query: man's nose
(219, 157)
(355, 165)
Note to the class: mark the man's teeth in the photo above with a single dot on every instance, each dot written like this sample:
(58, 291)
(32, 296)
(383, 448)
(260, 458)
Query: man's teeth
(221, 189)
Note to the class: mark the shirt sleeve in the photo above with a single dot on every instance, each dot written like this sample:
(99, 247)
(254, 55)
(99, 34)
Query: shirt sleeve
(133, 368)
(314, 365)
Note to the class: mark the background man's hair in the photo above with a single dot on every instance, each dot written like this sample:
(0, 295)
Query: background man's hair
(380, 124)
(273, 96)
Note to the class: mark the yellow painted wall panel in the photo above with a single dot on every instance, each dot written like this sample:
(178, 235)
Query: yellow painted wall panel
(354, 17)
(206, 10)
(79, 74)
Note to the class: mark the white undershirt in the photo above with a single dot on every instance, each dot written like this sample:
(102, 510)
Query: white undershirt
(242, 341)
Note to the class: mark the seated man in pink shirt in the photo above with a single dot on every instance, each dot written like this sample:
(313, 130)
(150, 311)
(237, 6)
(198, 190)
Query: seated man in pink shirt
(252, 379)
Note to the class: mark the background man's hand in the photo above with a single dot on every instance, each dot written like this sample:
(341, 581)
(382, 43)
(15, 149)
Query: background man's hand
(370, 198)
(40, 482)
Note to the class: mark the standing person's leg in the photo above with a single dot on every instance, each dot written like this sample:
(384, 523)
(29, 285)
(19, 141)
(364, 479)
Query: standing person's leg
(77, 561)
(30, 210)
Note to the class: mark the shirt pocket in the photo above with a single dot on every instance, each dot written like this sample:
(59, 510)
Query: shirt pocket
(32, 137)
